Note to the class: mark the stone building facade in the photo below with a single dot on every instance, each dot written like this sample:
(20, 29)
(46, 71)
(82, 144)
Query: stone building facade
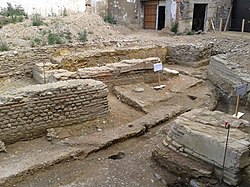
(158, 14)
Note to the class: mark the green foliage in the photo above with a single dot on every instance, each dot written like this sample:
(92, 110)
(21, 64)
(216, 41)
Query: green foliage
(83, 36)
(67, 35)
(190, 33)
(37, 42)
(54, 38)
(12, 15)
(37, 20)
(110, 18)
(13, 11)
(174, 28)
(4, 46)
(65, 12)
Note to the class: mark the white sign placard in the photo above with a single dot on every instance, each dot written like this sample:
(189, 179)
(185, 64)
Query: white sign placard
(241, 89)
(158, 67)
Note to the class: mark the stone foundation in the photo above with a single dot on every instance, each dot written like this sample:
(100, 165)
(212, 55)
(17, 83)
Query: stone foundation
(190, 54)
(30, 111)
(124, 72)
(226, 73)
(201, 133)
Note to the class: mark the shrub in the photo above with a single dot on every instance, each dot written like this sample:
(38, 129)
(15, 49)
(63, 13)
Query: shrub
(65, 12)
(13, 11)
(12, 14)
(37, 20)
(174, 28)
(54, 38)
(4, 46)
(83, 36)
(67, 34)
(190, 33)
(110, 18)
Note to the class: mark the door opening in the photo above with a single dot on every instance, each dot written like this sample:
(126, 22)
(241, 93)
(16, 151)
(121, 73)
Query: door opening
(199, 17)
(161, 17)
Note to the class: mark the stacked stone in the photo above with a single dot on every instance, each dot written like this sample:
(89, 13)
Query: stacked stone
(190, 54)
(30, 111)
(114, 73)
(226, 74)
(201, 133)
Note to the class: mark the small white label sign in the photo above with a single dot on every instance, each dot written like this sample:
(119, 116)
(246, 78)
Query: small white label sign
(158, 67)
(241, 89)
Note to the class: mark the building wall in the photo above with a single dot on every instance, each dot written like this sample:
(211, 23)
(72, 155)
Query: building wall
(30, 111)
(216, 9)
(125, 11)
(47, 7)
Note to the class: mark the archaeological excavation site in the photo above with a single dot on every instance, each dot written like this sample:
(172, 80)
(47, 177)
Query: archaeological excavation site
(107, 94)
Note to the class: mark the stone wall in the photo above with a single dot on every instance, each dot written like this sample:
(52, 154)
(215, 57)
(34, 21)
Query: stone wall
(28, 112)
(20, 62)
(124, 11)
(91, 58)
(202, 134)
(123, 72)
(190, 54)
(71, 57)
(226, 71)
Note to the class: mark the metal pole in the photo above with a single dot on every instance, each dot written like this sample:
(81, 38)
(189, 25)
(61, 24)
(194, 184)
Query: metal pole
(227, 126)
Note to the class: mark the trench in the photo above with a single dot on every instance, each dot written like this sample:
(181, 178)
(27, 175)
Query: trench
(67, 172)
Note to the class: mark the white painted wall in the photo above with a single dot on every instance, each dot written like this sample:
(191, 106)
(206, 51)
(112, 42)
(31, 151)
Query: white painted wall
(47, 7)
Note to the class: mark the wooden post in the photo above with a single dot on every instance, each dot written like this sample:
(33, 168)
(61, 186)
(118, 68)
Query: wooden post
(237, 106)
(220, 25)
(228, 17)
(159, 78)
(212, 23)
(243, 27)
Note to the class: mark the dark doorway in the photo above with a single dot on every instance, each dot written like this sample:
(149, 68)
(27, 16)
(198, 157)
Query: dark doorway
(161, 17)
(199, 17)
(241, 10)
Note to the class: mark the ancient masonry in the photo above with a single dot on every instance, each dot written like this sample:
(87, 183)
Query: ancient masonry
(73, 57)
(201, 133)
(123, 72)
(29, 112)
(225, 71)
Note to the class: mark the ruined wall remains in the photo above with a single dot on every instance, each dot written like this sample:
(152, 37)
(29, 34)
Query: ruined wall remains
(72, 57)
(73, 62)
(29, 112)
(201, 133)
(124, 72)
(226, 71)
(189, 54)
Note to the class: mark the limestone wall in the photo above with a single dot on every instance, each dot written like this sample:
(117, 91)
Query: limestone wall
(202, 134)
(190, 54)
(73, 62)
(226, 71)
(72, 57)
(123, 72)
(28, 112)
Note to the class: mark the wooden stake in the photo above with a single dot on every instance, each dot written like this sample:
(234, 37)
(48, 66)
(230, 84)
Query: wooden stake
(220, 25)
(228, 17)
(212, 23)
(243, 27)
(159, 78)
(237, 106)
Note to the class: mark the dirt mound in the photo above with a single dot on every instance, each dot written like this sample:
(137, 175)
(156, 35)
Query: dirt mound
(24, 34)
